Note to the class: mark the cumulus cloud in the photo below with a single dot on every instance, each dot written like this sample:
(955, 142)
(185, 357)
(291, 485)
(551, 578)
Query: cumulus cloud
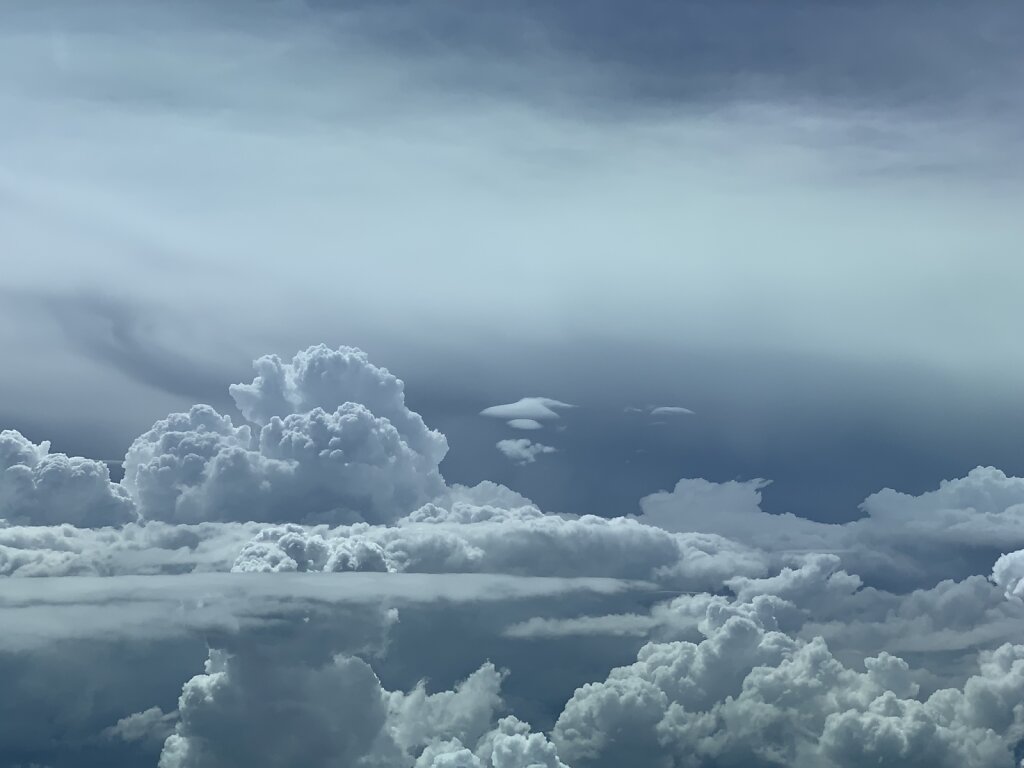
(261, 710)
(256, 710)
(377, 617)
(152, 724)
(509, 745)
(903, 541)
(522, 541)
(532, 408)
(136, 548)
(747, 694)
(42, 488)
(325, 378)
(523, 451)
(123, 646)
(334, 441)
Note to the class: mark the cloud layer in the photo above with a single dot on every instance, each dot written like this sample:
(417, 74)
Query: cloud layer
(297, 584)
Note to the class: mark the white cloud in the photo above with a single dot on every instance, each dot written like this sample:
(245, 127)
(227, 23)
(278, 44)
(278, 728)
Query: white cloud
(532, 408)
(747, 694)
(523, 451)
(325, 378)
(80, 656)
(522, 541)
(318, 454)
(356, 564)
(136, 548)
(262, 709)
(525, 424)
(152, 724)
(908, 541)
(42, 488)
(671, 410)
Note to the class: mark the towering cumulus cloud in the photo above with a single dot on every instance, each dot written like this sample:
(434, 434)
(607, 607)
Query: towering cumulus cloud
(42, 488)
(331, 440)
(320, 377)
(297, 585)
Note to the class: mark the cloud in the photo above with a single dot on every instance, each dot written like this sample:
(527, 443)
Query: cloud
(671, 410)
(747, 694)
(325, 378)
(302, 463)
(85, 654)
(904, 541)
(531, 408)
(472, 539)
(525, 424)
(509, 745)
(40, 488)
(378, 618)
(1008, 573)
(152, 724)
(134, 549)
(130, 337)
(262, 710)
(523, 451)
(45, 611)
(267, 711)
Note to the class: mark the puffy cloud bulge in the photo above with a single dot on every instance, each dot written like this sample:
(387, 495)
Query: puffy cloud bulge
(296, 584)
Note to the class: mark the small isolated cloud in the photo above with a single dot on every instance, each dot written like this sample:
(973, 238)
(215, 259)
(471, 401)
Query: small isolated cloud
(522, 451)
(532, 408)
(671, 410)
(525, 424)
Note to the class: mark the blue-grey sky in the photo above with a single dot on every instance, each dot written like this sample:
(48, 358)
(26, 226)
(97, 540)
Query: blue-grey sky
(800, 219)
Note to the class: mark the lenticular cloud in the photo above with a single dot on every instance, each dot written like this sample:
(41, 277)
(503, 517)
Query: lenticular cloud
(296, 584)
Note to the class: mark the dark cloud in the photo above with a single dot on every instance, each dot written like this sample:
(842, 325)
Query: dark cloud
(129, 337)
(921, 55)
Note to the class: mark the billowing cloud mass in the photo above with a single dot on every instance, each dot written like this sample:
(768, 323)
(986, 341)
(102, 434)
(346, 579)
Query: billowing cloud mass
(523, 451)
(956, 530)
(44, 488)
(747, 694)
(295, 714)
(320, 377)
(297, 584)
(315, 449)
(522, 541)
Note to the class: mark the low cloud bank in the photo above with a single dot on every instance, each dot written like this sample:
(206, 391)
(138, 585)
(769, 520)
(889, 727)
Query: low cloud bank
(297, 584)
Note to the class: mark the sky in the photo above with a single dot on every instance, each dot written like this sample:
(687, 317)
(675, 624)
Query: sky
(703, 317)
